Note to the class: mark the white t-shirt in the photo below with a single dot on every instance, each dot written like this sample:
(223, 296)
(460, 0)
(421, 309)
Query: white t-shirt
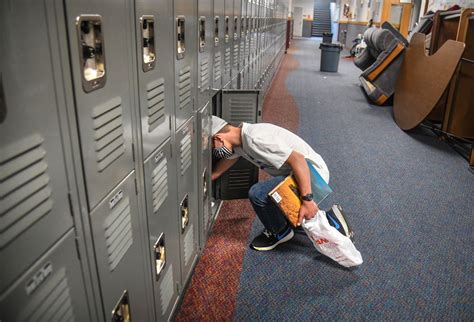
(268, 146)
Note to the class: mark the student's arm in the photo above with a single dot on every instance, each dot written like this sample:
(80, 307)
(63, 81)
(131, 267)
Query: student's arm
(222, 166)
(298, 164)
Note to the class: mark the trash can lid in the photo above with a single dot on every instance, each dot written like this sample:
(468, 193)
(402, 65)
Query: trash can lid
(330, 45)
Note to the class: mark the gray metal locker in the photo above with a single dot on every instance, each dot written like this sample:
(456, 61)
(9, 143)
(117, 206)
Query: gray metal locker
(34, 207)
(234, 74)
(238, 106)
(163, 228)
(218, 61)
(154, 36)
(204, 171)
(100, 41)
(120, 253)
(51, 289)
(243, 41)
(185, 39)
(205, 51)
(228, 42)
(185, 147)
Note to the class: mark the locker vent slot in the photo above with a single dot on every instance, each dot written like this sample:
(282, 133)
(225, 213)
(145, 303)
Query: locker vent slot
(51, 302)
(159, 183)
(227, 60)
(204, 74)
(217, 66)
(156, 103)
(239, 179)
(184, 86)
(108, 132)
(167, 290)
(118, 232)
(24, 187)
(188, 245)
(236, 56)
(242, 109)
(185, 152)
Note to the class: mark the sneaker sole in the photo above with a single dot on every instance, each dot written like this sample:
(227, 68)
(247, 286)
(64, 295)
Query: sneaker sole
(283, 240)
(337, 210)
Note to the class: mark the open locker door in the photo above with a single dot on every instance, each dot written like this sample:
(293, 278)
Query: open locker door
(238, 106)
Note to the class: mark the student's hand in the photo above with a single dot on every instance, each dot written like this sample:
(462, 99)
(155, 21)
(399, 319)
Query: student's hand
(308, 210)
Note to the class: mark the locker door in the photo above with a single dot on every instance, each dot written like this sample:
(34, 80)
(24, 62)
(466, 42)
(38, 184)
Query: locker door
(163, 228)
(51, 289)
(204, 171)
(185, 67)
(205, 49)
(228, 41)
(218, 28)
(236, 45)
(100, 42)
(154, 36)
(187, 196)
(119, 251)
(238, 106)
(34, 189)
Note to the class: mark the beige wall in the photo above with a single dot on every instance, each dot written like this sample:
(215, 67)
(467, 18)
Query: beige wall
(307, 5)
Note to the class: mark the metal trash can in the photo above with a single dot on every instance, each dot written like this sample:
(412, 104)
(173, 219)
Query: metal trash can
(330, 57)
(327, 37)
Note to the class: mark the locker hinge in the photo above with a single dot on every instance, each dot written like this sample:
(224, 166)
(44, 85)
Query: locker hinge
(133, 152)
(136, 186)
(77, 248)
(69, 200)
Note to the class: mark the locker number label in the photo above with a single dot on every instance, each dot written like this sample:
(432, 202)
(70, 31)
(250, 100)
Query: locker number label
(115, 199)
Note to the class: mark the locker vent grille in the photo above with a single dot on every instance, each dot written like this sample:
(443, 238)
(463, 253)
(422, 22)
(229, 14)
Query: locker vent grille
(184, 86)
(188, 245)
(242, 52)
(217, 66)
(239, 179)
(227, 60)
(242, 109)
(118, 232)
(166, 290)
(185, 152)
(51, 302)
(24, 187)
(156, 103)
(159, 183)
(235, 58)
(108, 132)
(204, 74)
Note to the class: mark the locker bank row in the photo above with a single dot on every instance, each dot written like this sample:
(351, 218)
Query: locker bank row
(105, 115)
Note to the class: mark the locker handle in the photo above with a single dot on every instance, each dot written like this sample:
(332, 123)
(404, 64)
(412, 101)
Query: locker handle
(204, 185)
(184, 209)
(202, 33)
(216, 30)
(226, 22)
(159, 251)
(121, 312)
(180, 39)
(91, 51)
(147, 24)
(236, 21)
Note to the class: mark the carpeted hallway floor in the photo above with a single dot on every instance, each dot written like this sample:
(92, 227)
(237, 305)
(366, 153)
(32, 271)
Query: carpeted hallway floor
(408, 196)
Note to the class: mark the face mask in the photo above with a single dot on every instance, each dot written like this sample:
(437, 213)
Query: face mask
(222, 152)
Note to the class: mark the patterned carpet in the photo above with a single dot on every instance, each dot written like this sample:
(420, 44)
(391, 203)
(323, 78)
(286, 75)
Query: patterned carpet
(408, 196)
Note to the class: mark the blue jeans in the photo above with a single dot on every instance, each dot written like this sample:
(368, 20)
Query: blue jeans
(269, 214)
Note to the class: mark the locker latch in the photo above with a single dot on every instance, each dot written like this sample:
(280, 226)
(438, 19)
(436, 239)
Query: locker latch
(226, 36)
(147, 24)
(236, 21)
(91, 51)
(160, 255)
(204, 184)
(121, 312)
(202, 33)
(216, 30)
(184, 209)
(242, 27)
(180, 40)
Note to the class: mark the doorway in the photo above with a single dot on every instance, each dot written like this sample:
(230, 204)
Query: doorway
(298, 22)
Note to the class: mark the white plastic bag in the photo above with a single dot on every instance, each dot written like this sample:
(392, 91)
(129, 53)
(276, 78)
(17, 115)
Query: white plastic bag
(329, 241)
